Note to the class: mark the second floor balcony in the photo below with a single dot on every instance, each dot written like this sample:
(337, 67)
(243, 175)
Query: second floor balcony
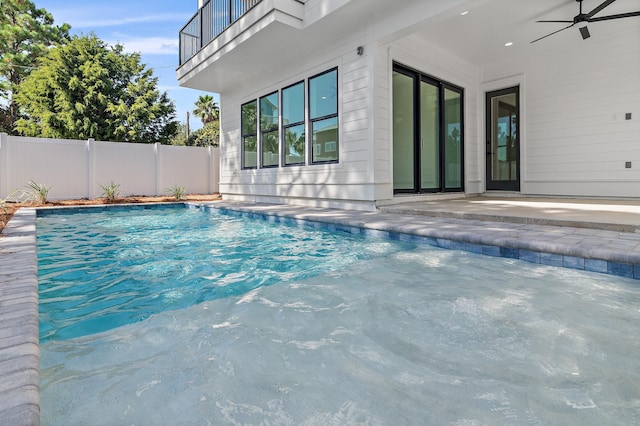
(209, 22)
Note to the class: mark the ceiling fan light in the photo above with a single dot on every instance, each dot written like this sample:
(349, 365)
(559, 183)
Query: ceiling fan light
(584, 32)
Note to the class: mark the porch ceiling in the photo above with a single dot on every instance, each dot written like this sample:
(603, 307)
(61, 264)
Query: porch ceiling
(480, 35)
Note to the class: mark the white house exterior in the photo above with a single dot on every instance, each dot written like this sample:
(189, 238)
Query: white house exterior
(354, 103)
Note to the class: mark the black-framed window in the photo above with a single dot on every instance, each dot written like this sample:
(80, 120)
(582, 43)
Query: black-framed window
(249, 125)
(323, 117)
(269, 134)
(287, 116)
(293, 130)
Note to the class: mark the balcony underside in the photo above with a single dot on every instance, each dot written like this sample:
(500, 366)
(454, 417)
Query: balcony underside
(246, 48)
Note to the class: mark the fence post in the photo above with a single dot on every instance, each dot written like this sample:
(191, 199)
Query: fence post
(156, 150)
(209, 171)
(4, 165)
(91, 169)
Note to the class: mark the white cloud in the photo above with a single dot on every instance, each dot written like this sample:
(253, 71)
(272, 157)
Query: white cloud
(149, 45)
(162, 17)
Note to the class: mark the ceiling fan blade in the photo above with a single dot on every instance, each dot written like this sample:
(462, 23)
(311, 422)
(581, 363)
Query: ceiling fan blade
(564, 22)
(555, 32)
(599, 8)
(610, 17)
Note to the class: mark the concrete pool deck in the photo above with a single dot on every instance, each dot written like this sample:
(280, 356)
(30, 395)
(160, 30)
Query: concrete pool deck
(603, 238)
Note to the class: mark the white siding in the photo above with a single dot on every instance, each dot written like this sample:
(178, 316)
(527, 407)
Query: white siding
(383, 137)
(348, 183)
(577, 139)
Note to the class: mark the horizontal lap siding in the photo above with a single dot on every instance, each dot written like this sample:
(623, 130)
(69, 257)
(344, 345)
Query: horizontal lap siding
(356, 118)
(577, 138)
(382, 138)
(352, 178)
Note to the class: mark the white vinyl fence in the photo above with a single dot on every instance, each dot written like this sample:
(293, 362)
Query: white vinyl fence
(77, 169)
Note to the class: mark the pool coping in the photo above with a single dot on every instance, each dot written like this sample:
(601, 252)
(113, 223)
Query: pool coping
(594, 250)
(610, 252)
(19, 343)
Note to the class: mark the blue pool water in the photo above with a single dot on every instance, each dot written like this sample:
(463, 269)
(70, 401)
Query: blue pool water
(317, 327)
(98, 271)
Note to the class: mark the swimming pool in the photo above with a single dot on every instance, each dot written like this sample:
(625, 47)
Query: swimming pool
(392, 333)
(99, 271)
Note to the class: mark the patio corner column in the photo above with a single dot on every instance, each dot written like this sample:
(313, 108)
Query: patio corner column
(4, 165)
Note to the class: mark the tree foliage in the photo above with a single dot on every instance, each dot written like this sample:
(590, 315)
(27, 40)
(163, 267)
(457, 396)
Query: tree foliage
(206, 109)
(208, 135)
(88, 89)
(26, 33)
(180, 139)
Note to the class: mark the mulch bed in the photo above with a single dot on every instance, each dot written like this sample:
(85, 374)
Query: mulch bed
(12, 207)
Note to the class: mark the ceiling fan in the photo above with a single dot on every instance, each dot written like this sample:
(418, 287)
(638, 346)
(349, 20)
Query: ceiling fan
(588, 17)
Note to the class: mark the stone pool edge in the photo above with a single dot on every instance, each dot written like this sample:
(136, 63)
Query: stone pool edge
(533, 243)
(19, 341)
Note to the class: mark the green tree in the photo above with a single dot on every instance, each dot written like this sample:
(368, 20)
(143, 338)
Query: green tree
(180, 138)
(208, 135)
(88, 89)
(26, 33)
(206, 109)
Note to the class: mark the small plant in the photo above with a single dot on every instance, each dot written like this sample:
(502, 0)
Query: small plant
(37, 192)
(8, 199)
(178, 192)
(111, 191)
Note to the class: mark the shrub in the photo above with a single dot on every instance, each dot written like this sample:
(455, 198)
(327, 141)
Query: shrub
(178, 192)
(37, 192)
(111, 191)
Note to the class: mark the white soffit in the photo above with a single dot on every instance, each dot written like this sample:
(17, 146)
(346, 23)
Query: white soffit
(480, 35)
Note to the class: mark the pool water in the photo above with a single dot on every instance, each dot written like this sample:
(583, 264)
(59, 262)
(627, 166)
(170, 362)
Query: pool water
(392, 333)
(98, 271)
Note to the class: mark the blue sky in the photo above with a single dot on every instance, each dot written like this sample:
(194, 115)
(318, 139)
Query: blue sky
(148, 27)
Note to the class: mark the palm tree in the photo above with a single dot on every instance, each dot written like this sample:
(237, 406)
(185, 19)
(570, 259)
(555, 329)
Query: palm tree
(206, 109)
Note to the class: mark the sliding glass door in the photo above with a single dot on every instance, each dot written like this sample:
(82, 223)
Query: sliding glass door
(427, 134)
(404, 133)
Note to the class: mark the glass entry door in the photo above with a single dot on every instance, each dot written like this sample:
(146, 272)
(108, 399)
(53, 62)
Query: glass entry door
(427, 134)
(503, 139)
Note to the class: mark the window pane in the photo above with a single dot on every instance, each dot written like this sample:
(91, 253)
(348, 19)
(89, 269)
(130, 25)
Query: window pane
(250, 159)
(323, 95)
(325, 140)
(293, 104)
(453, 139)
(403, 132)
(429, 136)
(294, 145)
(249, 118)
(269, 112)
(270, 149)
